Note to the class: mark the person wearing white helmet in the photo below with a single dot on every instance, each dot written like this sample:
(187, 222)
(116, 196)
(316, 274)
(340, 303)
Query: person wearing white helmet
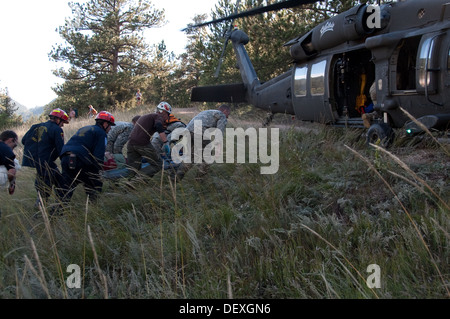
(164, 106)
(139, 144)
(169, 125)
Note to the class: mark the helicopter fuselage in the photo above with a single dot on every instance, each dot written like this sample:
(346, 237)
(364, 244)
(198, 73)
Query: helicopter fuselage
(406, 59)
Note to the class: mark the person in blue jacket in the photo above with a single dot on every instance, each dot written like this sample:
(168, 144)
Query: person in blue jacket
(83, 155)
(43, 143)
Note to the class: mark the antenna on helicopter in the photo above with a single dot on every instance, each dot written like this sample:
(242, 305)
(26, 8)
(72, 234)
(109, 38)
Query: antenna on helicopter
(227, 35)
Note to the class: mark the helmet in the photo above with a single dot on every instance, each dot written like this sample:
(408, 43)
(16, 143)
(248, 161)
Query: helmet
(105, 116)
(60, 114)
(164, 106)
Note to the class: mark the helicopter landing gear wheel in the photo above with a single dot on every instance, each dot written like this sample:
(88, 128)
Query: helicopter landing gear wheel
(380, 134)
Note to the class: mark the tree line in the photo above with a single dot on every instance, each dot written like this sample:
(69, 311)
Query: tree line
(106, 58)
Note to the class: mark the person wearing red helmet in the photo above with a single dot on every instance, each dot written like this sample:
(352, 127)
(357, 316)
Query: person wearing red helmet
(82, 158)
(43, 143)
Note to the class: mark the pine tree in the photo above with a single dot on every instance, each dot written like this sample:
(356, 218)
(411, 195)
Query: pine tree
(158, 80)
(7, 109)
(189, 68)
(106, 51)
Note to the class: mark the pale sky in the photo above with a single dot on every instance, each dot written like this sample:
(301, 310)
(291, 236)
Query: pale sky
(27, 35)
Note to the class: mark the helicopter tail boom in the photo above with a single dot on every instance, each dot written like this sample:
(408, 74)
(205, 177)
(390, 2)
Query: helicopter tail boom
(273, 96)
(232, 93)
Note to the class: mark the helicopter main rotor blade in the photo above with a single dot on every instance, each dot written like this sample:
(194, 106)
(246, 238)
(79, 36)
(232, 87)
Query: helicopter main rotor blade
(227, 38)
(272, 7)
(216, 74)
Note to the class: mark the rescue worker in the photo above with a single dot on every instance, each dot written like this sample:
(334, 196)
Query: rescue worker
(171, 124)
(139, 145)
(9, 141)
(43, 143)
(208, 119)
(117, 138)
(82, 157)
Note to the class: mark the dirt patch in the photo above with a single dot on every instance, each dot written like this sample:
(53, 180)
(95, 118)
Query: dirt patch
(186, 111)
(185, 114)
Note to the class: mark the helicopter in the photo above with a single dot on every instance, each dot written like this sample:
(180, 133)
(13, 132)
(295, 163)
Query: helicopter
(400, 50)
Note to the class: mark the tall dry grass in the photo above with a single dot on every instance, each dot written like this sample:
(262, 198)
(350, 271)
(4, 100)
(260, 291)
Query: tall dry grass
(309, 231)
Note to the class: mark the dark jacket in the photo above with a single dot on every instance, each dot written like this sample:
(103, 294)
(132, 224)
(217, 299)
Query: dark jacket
(145, 127)
(6, 156)
(89, 144)
(42, 144)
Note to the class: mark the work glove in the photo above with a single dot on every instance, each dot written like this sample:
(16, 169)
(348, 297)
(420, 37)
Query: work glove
(166, 149)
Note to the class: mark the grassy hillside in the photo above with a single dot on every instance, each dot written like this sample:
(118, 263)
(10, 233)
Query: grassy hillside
(311, 230)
